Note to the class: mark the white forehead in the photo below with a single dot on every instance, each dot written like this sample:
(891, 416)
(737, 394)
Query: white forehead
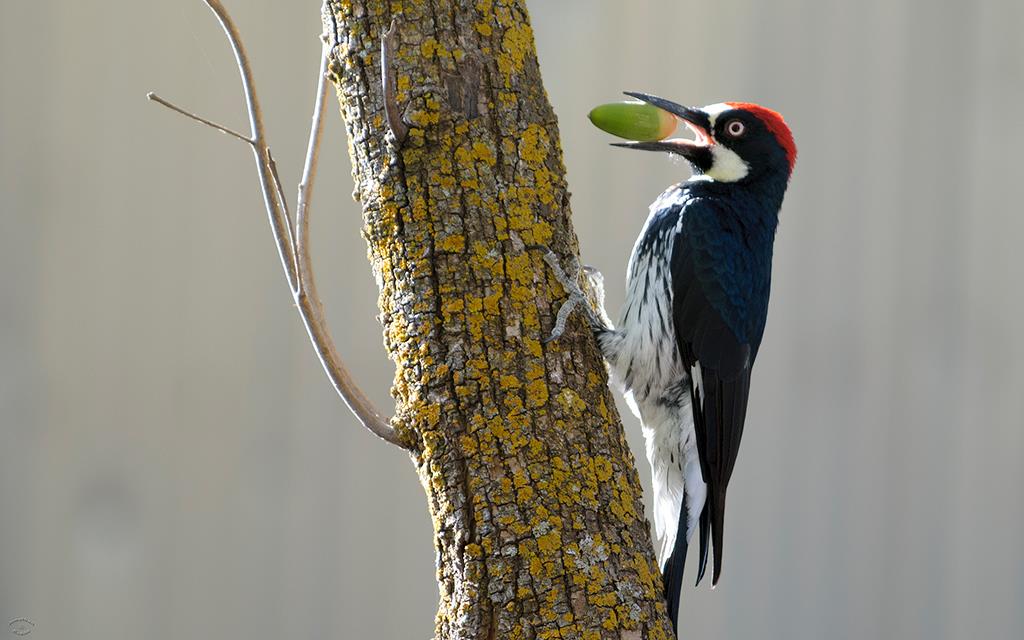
(715, 110)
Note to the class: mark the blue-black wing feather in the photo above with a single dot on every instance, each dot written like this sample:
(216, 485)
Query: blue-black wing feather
(719, 306)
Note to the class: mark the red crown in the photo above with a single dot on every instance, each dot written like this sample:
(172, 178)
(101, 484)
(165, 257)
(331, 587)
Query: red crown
(773, 120)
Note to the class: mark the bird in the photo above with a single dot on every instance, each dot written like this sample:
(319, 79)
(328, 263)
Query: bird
(697, 289)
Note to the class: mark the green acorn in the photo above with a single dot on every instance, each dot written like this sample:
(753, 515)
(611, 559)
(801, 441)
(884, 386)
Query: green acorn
(634, 121)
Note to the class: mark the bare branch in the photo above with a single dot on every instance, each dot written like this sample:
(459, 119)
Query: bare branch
(387, 56)
(275, 208)
(293, 243)
(313, 147)
(307, 297)
(188, 114)
(289, 223)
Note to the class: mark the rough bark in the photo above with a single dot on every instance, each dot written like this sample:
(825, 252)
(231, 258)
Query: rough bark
(536, 505)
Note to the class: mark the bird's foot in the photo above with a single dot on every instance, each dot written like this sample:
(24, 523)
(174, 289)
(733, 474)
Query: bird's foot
(577, 296)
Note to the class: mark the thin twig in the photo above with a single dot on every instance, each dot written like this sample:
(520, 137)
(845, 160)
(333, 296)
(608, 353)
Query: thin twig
(188, 114)
(306, 280)
(388, 82)
(293, 244)
(308, 299)
(289, 223)
(275, 209)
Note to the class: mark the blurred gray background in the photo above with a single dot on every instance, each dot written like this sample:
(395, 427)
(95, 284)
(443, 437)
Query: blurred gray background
(174, 463)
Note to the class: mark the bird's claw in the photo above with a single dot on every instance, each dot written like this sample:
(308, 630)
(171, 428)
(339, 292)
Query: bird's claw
(577, 297)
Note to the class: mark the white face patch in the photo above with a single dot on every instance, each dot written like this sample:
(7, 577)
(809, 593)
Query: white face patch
(715, 110)
(727, 165)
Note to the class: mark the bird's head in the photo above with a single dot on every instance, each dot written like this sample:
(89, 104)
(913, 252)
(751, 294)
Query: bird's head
(733, 141)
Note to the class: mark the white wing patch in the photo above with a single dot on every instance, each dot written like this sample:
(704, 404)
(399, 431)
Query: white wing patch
(698, 382)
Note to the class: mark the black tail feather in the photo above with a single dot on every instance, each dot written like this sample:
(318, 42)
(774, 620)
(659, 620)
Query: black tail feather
(719, 427)
(705, 542)
(717, 508)
(672, 572)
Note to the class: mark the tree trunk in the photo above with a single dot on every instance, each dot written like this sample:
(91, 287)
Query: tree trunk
(538, 521)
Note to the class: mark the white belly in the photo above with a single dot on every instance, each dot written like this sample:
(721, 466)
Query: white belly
(645, 362)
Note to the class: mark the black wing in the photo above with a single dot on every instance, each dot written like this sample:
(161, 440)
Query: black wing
(719, 366)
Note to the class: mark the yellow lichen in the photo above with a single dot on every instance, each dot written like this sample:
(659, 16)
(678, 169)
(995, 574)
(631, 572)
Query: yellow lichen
(453, 244)
(606, 599)
(571, 402)
(612, 621)
(537, 393)
(452, 307)
(516, 45)
(534, 145)
(484, 153)
(549, 543)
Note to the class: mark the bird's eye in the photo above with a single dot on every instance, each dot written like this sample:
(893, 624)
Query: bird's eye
(735, 128)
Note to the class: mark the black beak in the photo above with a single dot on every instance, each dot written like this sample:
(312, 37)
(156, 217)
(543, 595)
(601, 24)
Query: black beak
(696, 151)
(695, 117)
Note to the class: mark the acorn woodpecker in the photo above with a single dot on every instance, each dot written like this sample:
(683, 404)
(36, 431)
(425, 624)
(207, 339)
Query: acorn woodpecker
(697, 290)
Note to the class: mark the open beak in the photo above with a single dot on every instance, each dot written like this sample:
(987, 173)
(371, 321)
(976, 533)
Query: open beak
(697, 150)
